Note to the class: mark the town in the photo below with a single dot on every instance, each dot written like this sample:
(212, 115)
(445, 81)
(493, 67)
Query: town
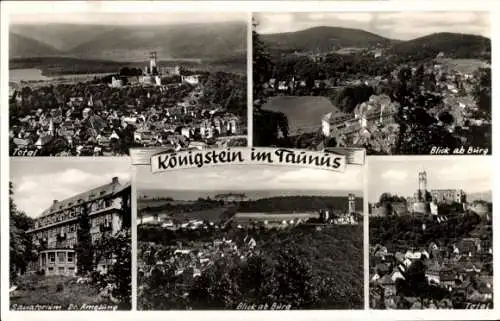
(184, 244)
(160, 105)
(401, 98)
(431, 250)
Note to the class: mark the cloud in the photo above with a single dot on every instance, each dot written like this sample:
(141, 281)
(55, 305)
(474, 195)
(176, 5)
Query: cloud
(397, 25)
(394, 175)
(113, 18)
(251, 177)
(470, 173)
(34, 191)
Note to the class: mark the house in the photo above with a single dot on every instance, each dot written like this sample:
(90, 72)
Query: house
(375, 278)
(469, 246)
(192, 80)
(396, 274)
(56, 227)
(388, 284)
(43, 141)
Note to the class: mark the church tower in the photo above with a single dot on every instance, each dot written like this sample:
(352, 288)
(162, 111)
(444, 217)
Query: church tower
(152, 63)
(422, 183)
(352, 203)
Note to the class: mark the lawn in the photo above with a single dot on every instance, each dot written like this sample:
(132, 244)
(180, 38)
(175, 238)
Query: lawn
(54, 290)
(467, 66)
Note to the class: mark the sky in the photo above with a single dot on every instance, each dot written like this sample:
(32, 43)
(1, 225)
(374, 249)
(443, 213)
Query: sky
(39, 181)
(400, 177)
(394, 25)
(100, 18)
(252, 177)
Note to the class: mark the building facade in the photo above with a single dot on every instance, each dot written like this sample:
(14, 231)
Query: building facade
(55, 233)
(448, 196)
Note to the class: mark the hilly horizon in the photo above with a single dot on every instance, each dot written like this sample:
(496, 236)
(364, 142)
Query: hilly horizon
(252, 194)
(129, 43)
(327, 39)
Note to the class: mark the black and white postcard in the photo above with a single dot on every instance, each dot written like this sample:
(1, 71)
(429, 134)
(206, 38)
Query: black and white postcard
(431, 235)
(97, 84)
(391, 82)
(247, 160)
(70, 240)
(257, 236)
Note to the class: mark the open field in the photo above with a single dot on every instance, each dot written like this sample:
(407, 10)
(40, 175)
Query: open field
(214, 214)
(54, 290)
(152, 203)
(303, 112)
(465, 66)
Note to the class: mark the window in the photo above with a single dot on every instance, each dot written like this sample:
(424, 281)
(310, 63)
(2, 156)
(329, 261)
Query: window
(61, 257)
(61, 269)
(51, 269)
(71, 257)
(52, 257)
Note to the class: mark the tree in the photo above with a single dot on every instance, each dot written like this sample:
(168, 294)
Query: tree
(446, 118)
(21, 246)
(482, 91)
(262, 64)
(119, 276)
(84, 247)
(385, 197)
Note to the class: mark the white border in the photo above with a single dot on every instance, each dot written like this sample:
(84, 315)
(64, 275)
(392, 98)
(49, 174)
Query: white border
(233, 6)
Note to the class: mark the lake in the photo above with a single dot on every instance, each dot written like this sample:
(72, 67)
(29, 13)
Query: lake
(304, 113)
(30, 74)
(33, 74)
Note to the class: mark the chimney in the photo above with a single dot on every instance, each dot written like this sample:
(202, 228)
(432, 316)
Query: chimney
(55, 201)
(114, 180)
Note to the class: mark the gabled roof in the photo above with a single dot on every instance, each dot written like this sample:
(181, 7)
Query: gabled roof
(105, 190)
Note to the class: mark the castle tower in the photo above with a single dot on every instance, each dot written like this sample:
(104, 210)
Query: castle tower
(352, 203)
(152, 62)
(422, 183)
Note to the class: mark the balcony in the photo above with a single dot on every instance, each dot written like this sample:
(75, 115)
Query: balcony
(113, 206)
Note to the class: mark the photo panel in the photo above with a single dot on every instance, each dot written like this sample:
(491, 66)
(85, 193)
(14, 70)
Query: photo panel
(70, 234)
(430, 232)
(395, 83)
(256, 233)
(99, 83)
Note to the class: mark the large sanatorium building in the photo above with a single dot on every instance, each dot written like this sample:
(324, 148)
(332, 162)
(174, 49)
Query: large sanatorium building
(55, 231)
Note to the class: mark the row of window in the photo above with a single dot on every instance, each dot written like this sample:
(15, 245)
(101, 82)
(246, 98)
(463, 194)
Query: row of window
(61, 257)
(70, 228)
(61, 269)
(103, 219)
(73, 212)
(69, 243)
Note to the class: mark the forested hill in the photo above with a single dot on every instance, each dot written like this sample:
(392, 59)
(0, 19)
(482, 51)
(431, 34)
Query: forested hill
(329, 39)
(205, 41)
(287, 204)
(403, 232)
(20, 46)
(324, 39)
(451, 44)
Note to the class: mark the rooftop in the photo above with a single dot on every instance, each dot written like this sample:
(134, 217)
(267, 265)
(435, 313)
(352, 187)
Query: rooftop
(105, 190)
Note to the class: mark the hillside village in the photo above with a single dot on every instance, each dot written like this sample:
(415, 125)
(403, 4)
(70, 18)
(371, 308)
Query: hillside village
(157, 106)
(432, 250)
(382, 96)
(187, 244)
